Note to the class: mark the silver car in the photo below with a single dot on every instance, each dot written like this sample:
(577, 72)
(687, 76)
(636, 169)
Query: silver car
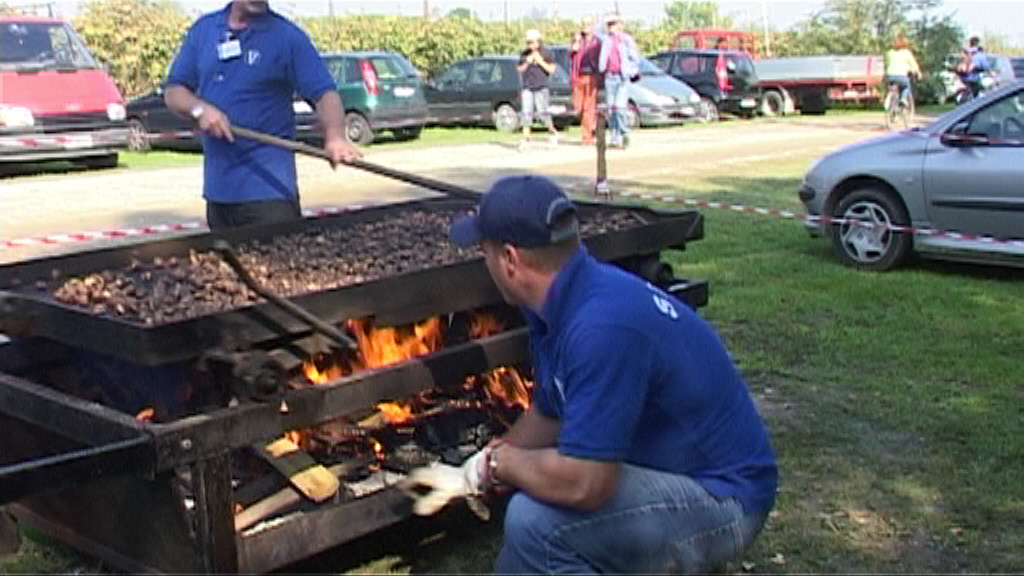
(657, 99)
(962, 174)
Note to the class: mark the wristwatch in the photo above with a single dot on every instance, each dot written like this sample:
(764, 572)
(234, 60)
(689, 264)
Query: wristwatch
(197, 111)
(492, 464)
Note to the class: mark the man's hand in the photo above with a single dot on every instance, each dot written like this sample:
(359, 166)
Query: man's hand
(341, 151)
(216, 123)
(434, 486)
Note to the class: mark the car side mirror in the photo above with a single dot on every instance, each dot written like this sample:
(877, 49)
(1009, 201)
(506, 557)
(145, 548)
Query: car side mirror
(962, 140)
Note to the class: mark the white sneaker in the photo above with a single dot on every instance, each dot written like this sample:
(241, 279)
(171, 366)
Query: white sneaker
(523, 145)
(553, 139)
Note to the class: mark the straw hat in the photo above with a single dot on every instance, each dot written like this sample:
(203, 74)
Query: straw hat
(612, 17)
(533, 35)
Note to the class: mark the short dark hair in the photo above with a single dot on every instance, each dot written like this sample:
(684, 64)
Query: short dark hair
(975, 41)
(551, 258)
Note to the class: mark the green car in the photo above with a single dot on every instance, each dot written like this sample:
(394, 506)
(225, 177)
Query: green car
(380, 90)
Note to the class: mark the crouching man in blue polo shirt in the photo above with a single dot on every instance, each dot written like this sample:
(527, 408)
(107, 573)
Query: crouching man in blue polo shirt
(242, 65)
(642, 450)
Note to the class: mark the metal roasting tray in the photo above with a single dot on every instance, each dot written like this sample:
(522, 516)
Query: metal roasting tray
(26, 311)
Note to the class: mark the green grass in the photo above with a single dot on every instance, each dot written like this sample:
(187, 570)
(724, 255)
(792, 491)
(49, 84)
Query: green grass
(894, 403)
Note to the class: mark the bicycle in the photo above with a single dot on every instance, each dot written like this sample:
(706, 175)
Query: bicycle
(897, 109)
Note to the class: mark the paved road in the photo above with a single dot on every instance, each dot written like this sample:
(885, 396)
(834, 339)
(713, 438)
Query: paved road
(57, 204)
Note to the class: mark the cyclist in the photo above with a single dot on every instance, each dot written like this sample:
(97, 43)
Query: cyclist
(900, 67)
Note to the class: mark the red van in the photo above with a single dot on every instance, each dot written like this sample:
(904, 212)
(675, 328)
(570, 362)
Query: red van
(56, 102)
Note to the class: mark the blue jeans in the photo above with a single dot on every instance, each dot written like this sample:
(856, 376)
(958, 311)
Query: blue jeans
(904, 84)
(656, 523)
(616, 98)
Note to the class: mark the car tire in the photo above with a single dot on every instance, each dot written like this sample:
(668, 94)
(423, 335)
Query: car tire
(406, 134)
(709, 110)
(138, 136)
(633, 116)
(506, 119)
(358, 129)
(104, 162)
(773, 104)
(871, 248)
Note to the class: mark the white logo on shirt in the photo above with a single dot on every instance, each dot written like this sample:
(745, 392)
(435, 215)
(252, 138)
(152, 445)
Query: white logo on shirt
(664, 306)
(252, 57)
(561, 388)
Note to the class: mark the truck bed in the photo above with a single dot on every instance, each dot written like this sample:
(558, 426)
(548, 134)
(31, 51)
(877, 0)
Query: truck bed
(825, 69)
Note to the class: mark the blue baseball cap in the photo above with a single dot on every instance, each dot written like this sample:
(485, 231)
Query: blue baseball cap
(526, 211)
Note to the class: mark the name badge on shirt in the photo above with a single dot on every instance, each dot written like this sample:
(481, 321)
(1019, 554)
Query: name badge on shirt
(230, 49)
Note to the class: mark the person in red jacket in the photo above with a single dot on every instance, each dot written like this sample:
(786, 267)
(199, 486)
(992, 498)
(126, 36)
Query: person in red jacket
(586, 79)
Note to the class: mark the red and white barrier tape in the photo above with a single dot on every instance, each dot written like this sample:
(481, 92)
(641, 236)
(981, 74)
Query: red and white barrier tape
(84, 237)
(823, 220)
(85, 139)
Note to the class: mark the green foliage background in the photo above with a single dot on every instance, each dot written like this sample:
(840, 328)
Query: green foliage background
(138, 38)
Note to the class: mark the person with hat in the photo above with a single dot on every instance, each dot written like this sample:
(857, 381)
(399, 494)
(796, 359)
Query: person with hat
(585, 79)
(642, 450)
(536, 67)
(619, 63)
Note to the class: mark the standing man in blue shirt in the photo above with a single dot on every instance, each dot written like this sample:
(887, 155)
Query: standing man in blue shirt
(242, 65)
(642, 450)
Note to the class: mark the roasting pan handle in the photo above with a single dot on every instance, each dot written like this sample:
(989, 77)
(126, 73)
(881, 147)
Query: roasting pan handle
(77, 467)
(446, 188)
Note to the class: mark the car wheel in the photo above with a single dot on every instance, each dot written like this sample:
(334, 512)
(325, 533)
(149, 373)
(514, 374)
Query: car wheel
(709, 110)
(404, 134)
(358, 129)
(138, 136)
(773, 104)
(98, 162)
(632, 116)
(506, 119)
(862, 237)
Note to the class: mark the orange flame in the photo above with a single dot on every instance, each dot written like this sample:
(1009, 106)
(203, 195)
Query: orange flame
(378, 450)
(395, 413)
(379, 347)
(483, 325)
(507, 385)
(321, 369)
(145, 415)
(385, 346)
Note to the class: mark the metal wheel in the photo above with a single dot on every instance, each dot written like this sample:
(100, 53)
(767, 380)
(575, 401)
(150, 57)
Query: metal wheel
(506, 119)
(773, 104)
(709, 109)
(138, 136)
(358, 129)
(632, 116)
(865, 239)
(892, 106)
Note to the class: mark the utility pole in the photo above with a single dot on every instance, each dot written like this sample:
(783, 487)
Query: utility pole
(330, 8)
(504, 6)
(554, 9)
(426, 9)
(764, 24)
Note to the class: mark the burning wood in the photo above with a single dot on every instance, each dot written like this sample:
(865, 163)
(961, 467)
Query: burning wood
(145, 415)
(497, 396)
(395, 413)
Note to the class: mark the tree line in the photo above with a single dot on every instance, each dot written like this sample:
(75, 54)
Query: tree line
(137, 39)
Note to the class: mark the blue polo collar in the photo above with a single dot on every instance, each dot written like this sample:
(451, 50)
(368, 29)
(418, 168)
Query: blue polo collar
(261, 22)
(558, 301)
